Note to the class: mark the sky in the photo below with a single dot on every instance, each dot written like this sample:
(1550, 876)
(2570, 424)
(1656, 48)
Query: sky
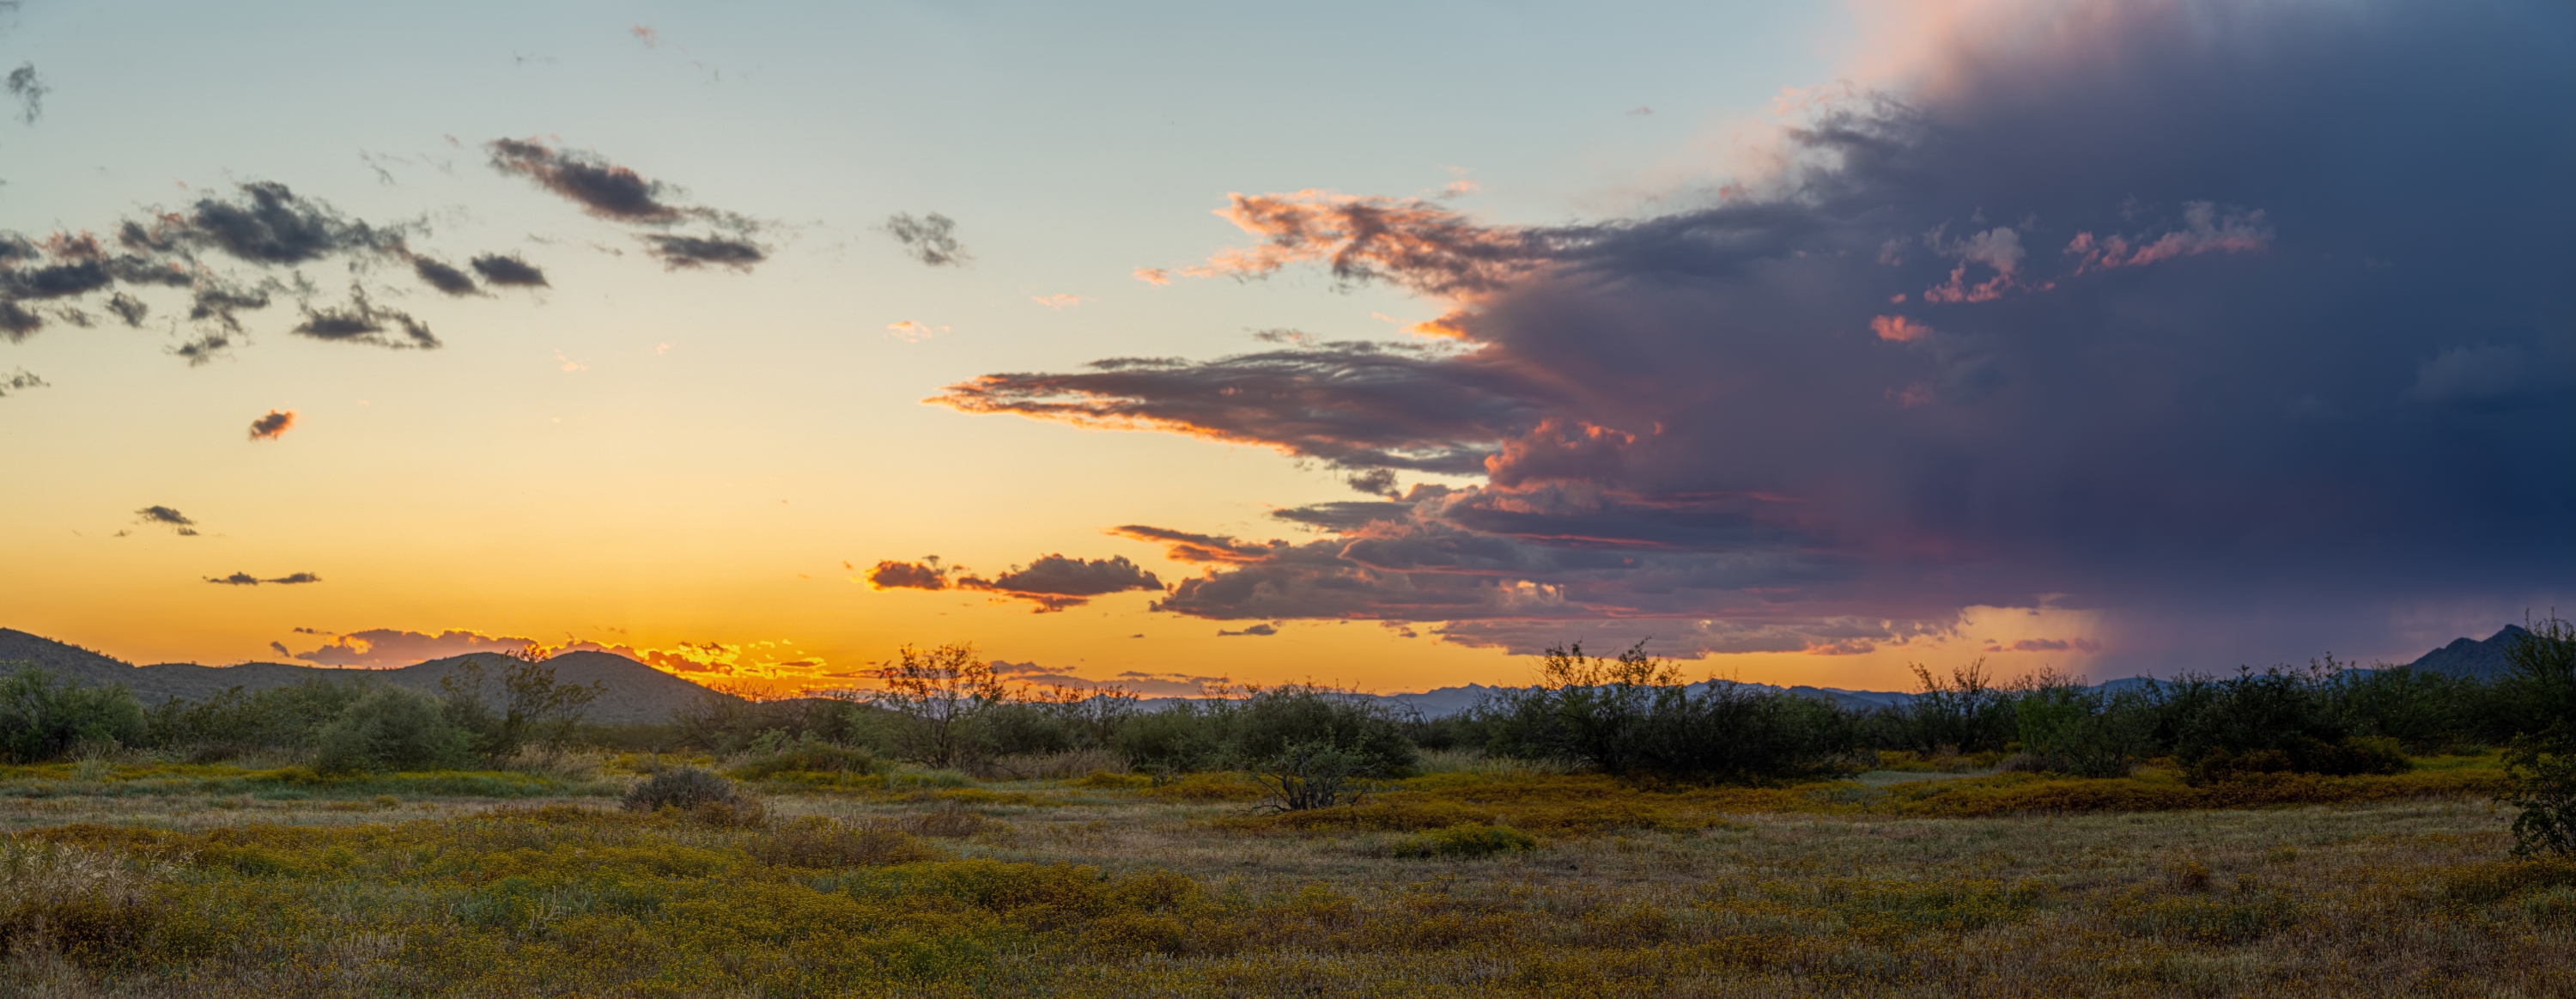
(1174, 344)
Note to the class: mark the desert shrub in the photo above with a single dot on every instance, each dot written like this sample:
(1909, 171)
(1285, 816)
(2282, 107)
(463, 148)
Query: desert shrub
(1179, 738)
(2542, 774)
(2542, 760)
(523, 705)
(940, 703)
(2276, 721)
(390, 729)
(950, 821)
(821, 842)
(233, 721)
(773, 755)
(1633, 714)
(1014, 728)
(686, 789)
(1304, 775)
(2425, 712)
(43, 718)
(1264, 726)
(2483, 884)
(95, 908)
(1965, 713)
(1464, 840)
(2084, 732)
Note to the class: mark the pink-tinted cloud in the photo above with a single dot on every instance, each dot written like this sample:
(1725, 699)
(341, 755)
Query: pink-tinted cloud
(1898, 329)
(2204, 230)
(1414, 243)
(387, 648)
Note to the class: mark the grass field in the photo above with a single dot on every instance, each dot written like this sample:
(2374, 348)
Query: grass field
(1479, 879)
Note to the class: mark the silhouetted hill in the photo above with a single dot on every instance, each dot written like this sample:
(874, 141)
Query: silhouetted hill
(634, 692)
(2468, 657)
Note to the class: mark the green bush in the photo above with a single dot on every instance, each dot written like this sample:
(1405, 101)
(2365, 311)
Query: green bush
(1261, 727)
(2086, 733)
(43, 719)
(1635, 715)
(805, 755)
(1179, 738)
(1466, 839)
(233, 721)
(390, 728)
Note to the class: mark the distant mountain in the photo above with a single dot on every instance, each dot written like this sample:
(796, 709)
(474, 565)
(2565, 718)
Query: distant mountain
(2468, 657)
(633, 692)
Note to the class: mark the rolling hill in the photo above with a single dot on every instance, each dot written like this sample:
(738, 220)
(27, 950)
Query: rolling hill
(633, 692)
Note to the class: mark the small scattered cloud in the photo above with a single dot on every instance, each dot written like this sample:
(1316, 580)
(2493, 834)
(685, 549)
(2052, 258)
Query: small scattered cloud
(363, 321)
(1258, 630)
(569, 364)
(272, 426)
(167, 517)
(1058, 302)
(912, 332)
(588, 179)
(931, 239)
(926, 574)
(1640, 111)
(1054, 582)
(246, 579)
(711, 250)
(652, 39)
(1898, 329)
(29, 91)
(1154, 275)
(447, 279)
(281, 648)
(508, 271)
(19, 380)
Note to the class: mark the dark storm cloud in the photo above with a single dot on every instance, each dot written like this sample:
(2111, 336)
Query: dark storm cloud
(1054, 582)
(1357, 405)
(931, 239)
(442, 276)
(711, 250)
(587, 179)
(2250, 338)
(508, 271)
(364, 322)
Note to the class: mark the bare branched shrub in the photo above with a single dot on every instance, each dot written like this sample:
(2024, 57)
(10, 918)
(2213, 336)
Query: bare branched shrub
(1306, 775)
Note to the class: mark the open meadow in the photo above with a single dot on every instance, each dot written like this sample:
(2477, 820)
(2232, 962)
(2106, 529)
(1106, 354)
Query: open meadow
(1478, 877)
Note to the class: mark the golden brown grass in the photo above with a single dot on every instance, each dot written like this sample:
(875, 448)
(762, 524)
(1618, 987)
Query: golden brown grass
(1101, 887)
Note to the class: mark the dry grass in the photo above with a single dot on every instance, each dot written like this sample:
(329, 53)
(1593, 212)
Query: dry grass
(1097, 886)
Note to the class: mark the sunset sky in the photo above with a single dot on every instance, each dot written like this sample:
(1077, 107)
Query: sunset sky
(1380, 345)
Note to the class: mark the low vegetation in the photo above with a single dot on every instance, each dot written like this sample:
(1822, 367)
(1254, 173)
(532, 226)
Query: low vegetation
(1613, 831)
